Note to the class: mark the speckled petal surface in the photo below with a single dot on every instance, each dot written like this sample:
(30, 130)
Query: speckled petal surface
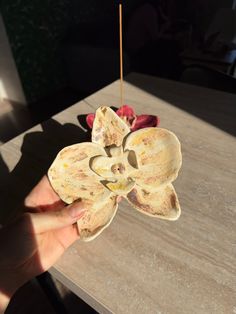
(162, 203)
(108, 128)
(158, 156)
(98, 218)
(71, 177)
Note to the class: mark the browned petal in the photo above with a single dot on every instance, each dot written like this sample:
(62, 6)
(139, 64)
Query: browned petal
(158, 156)
(108, 128)
(162, 203)
(71, 177)
(97, 218)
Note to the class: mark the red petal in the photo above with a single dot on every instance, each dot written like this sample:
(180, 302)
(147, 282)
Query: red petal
(144, 121)
(125, 111)
(89, 119)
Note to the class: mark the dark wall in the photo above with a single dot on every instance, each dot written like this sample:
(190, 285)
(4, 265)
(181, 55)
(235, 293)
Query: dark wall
(36, 30)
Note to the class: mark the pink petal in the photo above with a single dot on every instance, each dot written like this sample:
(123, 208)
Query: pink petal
(144, 121)
(89, 119)
(125, 111)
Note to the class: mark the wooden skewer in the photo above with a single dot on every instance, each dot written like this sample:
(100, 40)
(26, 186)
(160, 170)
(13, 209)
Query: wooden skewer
(121, 56)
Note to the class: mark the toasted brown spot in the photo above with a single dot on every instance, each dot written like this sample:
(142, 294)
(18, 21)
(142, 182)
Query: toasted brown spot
(81, 157)
(173, 200)
(104, 110)
(147, 140)
(161, 133)
(85, 232)
(98, 130)
(151, 179)
(65, 150)
(80, 174)
(118, 168)
(145, 193)
(132, 196)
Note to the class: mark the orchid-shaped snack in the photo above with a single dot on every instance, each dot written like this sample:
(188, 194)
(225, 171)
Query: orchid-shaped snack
(138, 166)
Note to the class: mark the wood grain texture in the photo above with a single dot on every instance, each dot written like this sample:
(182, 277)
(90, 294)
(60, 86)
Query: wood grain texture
(145, 265)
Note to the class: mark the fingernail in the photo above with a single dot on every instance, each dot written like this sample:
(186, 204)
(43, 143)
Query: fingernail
(76, 211)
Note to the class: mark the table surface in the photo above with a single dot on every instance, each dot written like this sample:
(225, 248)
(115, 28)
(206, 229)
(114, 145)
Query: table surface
(140, 264)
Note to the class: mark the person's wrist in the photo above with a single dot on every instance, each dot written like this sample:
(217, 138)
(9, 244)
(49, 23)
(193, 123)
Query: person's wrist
(4, 301)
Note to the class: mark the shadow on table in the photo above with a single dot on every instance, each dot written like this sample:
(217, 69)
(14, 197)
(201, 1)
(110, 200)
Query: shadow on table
(39, 149)
(219, 114)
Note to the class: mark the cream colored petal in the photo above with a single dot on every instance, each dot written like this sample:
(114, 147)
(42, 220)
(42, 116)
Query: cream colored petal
(116, 151)
(71, 177)
(97, 218)
(162, 203)
(108, 128)
(158, 156)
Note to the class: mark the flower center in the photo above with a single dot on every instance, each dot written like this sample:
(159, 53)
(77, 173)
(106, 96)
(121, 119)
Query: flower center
(118, 168)
(116, 171)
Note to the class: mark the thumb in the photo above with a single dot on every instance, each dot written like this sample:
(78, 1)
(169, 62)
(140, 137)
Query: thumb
(46, 221)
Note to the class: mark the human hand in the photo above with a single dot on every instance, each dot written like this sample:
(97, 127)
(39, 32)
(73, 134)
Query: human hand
(33, 243)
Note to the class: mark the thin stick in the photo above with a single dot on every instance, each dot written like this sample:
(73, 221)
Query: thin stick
(121, 56)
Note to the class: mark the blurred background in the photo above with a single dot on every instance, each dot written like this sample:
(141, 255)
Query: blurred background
(55, 52)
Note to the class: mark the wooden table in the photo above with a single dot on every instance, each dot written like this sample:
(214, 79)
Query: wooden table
(139, 264)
